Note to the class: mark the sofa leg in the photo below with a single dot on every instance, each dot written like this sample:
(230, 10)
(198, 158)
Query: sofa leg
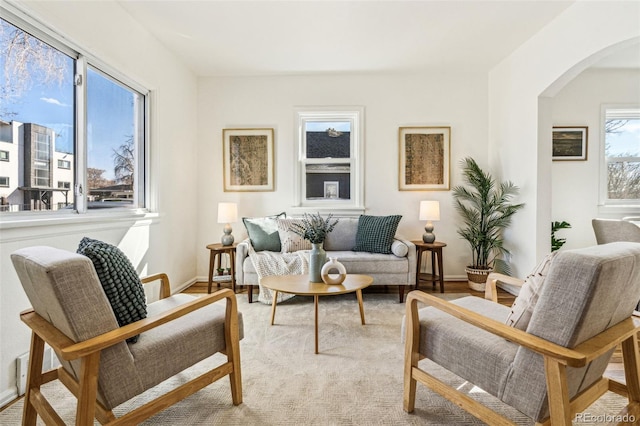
(401, 293)
(250, 293)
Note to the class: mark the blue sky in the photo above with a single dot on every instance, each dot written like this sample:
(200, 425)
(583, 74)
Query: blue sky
(627, 141)
(51, 104)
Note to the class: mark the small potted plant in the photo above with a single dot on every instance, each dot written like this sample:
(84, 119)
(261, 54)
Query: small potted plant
(315, 229)
(486, 210)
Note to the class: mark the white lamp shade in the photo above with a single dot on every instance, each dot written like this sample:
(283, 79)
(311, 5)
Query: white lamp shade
(227, 212)
(429, 210)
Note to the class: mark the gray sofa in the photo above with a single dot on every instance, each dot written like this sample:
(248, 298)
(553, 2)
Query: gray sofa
(386, 269)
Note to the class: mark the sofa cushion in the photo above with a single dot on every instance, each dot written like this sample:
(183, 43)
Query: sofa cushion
(375, 233)
(289, 240)
(263, 232)
(523, 306)
(359, 262)
(343, 236)
(119, 280)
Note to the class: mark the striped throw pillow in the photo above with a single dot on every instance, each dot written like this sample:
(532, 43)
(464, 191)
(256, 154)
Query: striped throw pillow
(289, 240)
(375, 233)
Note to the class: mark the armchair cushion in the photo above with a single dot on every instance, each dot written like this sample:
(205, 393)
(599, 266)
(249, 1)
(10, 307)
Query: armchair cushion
(119, 280)
(375, 233)
(263, 232)
(523, 306)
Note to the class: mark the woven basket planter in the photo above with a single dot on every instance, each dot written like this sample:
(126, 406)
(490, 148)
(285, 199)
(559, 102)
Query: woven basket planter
(477, 278)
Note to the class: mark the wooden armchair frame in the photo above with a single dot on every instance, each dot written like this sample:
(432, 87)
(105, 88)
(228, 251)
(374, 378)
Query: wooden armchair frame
(88, 351)
(556, 359)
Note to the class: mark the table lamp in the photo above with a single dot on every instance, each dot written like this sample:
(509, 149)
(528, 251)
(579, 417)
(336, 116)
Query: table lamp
(227, 214)
(429, 210)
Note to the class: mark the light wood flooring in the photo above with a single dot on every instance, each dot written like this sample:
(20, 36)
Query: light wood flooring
(615, 369)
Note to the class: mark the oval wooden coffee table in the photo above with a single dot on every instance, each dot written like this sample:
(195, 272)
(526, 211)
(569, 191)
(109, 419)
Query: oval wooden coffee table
(300, 285)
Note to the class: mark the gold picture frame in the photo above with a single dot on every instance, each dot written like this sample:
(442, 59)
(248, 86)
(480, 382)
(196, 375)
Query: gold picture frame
(248, 160)
(424, 158)
(569, 143)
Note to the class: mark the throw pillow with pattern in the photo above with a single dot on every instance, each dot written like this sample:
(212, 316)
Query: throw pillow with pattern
(289, 240)
(119, 280)
(375, 233)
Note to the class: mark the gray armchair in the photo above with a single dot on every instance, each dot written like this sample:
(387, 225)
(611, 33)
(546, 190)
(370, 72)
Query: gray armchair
(554, 369)
(612, 230)
(72, 314)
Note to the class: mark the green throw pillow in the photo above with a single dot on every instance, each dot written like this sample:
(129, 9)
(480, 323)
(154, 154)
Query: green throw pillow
(263, 232)
(119, 280)
(375, 233)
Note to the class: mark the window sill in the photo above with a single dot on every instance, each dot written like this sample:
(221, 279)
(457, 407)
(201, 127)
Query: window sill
(38, 225)
(341, 211)
(619, 209)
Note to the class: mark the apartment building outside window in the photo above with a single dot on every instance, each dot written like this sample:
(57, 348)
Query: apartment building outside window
(66, 117)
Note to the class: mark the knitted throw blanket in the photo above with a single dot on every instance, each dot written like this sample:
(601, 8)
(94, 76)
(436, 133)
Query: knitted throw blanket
(268, 263)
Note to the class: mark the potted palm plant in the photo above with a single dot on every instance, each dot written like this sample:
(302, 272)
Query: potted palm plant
(486, 210)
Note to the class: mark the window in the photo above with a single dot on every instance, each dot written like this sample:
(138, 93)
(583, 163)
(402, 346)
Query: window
(329, 170)
(4, 155)
(621, 156)
(72, 111)
(4, 181)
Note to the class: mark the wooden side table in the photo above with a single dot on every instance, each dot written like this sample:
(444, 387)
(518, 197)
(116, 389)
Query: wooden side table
(436, 252)
(215, 253)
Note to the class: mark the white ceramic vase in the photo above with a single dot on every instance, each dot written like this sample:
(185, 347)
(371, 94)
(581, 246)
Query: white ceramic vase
(331, 265)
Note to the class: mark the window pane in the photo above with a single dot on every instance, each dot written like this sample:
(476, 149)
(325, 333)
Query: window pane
(328, 139)
(112, 138)
(622, 149)
(328, 181)
(36, 106)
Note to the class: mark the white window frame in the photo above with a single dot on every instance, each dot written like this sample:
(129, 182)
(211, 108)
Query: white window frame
(605, 204)
(60, 161)
(83, 58)
(4, 155)
(6, 180)
(352, 114)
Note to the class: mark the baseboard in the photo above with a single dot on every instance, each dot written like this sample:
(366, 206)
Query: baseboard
(8, 396)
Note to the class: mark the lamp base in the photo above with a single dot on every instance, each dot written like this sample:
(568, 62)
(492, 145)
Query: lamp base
(227, 238)
(428, 236)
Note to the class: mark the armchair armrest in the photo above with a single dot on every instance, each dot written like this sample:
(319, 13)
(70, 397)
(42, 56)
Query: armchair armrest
(70, 350)
(490, 289)
(576, 357)
(165, 288)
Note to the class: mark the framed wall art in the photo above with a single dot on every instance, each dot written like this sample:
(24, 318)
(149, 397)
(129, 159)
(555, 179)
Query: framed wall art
(248, 159)
(569, 143)
(424, 158)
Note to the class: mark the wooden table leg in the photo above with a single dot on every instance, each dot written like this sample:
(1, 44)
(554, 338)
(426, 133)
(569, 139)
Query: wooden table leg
(211, 257)
(315, 302)
(232, 261)
(440, 273)
(433, 268)
(419, 266)
(359, 294)
(273, 306)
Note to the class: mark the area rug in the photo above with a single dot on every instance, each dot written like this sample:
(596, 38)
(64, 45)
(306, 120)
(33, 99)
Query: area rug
(356, 379)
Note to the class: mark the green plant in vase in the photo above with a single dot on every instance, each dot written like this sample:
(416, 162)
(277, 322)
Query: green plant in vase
(486, 210)
(315, 228)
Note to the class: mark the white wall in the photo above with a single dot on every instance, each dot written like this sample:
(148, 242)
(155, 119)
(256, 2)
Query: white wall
(517, 86)
(455, 99)
(166, 243)
(576, 183)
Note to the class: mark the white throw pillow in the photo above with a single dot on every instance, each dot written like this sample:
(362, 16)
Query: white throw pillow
(289, 240)
(399, 249)
(525, 303)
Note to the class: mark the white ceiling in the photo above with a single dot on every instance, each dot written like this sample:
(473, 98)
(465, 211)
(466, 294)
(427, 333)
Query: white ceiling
(267, 37)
